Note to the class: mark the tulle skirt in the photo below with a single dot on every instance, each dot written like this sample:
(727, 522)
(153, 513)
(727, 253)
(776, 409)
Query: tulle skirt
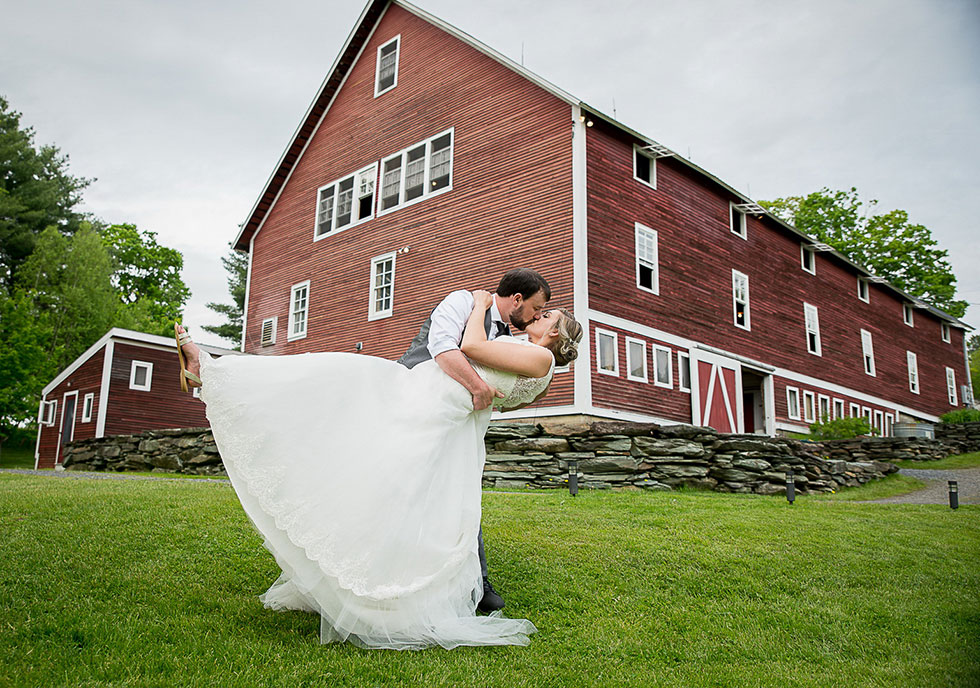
(364, 477)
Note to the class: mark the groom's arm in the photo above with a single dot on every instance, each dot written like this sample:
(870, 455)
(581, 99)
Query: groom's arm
(445, 334)
(455, 365)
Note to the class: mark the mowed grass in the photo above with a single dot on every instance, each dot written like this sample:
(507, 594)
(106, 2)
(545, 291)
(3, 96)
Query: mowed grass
(950, 463)
(17, 457)
(155, 583)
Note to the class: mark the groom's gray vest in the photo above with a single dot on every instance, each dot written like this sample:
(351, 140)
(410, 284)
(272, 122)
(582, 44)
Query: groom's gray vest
(418, 350)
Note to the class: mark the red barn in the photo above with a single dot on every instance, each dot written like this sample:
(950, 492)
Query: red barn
(428, 162)
(125, 383)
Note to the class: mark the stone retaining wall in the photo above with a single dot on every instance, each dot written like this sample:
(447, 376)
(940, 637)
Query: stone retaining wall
(965, 437)
(185, 450)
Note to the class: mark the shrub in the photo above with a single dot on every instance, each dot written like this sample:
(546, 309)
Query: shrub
(840, 429)
(964, 415)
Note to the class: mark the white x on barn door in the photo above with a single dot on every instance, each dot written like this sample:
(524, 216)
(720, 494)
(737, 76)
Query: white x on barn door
(716, 392)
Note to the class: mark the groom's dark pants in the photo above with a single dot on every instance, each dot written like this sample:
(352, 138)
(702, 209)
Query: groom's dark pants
(417, 352)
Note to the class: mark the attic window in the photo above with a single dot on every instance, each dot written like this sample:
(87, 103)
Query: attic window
(945, 332)
(808, 259)
(386, 77)
(863, 290)
(644, 167)
(907, 314)
(736, 221)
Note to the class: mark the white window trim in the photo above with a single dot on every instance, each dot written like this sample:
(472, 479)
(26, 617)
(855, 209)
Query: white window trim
(637, 150)
(838, 405)
(866, 413)
(908, 314)
(944, 332)
(811, 418)
(638, 230)
(913, 364)
(598, 352)
(377, 65)
(734, 212)
(88, 405)
(816, 330)
(374, 314)
(681, 356)
(402, 203)
(791, 412)
(48, 412)
(149, 376)
(830, 412)
(654, 348)
(196, 392)
(629, 359)
(879, 423)
(804, 249)
(290, 336)
(274, 320)
(373, 169)
(748, 318)
(855, 410)
(951, 387)
(867, 289)
(889, 425)
(868, 353)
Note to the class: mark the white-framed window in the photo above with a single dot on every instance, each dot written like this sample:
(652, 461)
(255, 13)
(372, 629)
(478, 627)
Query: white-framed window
(866, 414)
(607, 352)
(417, 172)
(684, 371)
(808, 259)
(809, 407)
(793, 403)
(736, 221)
(944, 331)
(864, 293)
(636, 359)
(663, 374)
(48, 412)
(88, 403)
(269, 327)
(812, 321)
(823, 408)
(299, 310)
(879, 423)
(868, 353)
(838, 408)
(740, 299)
(951, 386)
(855, 411)
(345, 202)
(907, 316)
(386, 69)
(382, 286)
(913, 372)
(644, 167)
(196, 392)
(889, 420)
(141, 375)
(647, 259)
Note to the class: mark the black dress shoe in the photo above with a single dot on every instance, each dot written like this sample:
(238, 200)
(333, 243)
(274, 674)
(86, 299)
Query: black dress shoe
(491, 601)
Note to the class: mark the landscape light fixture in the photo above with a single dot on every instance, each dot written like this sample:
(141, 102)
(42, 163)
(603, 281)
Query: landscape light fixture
(790, 487)
(954, 495)
(572, 477)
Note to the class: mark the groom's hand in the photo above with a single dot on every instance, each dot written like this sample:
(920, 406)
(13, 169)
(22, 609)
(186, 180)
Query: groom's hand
(484, 397)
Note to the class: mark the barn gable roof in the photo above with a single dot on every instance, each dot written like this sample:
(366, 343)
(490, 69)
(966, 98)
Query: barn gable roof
(351, 51)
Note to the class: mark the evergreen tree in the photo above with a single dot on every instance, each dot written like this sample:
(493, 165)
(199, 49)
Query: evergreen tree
(236, 264)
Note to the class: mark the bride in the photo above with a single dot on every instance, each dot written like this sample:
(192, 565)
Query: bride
(364, 478)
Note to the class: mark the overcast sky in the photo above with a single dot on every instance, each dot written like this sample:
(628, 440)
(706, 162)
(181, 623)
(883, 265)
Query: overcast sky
(181, 109)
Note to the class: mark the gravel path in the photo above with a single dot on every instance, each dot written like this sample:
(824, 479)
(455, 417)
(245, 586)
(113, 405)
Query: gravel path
(937, 487)
(98, 475)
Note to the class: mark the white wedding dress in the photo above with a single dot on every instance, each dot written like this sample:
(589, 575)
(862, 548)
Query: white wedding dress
(364, 477)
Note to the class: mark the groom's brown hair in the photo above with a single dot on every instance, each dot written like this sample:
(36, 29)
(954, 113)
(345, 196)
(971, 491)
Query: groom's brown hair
(523, 281)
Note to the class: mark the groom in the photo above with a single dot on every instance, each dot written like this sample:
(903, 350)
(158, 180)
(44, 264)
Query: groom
(520, 297)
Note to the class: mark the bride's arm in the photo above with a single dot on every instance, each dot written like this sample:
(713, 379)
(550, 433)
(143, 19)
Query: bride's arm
(532, 361)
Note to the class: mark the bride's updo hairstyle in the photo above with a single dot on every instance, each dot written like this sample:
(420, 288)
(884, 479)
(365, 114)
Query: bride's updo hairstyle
(565, 347)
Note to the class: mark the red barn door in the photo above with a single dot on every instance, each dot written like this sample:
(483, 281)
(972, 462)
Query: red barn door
(716, 392)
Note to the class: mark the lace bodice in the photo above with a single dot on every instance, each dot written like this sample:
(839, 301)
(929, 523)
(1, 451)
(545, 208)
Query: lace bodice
(518, 389)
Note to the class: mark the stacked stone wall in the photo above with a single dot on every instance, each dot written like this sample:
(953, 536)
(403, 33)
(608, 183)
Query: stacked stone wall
(185, 450)
(964, 437)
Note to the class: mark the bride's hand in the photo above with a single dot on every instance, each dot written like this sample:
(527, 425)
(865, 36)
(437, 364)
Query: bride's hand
(482, 299)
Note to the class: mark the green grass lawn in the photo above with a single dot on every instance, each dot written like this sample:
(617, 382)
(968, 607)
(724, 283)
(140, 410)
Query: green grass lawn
(949, 463)
(17, 457)
(154, 583)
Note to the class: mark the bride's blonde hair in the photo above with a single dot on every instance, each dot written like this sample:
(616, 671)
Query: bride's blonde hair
(565, 347)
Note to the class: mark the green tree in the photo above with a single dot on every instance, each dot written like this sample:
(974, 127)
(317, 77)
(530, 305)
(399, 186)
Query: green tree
(236, 264)
(36, 192)
(147, 278)
(24, 364)
(889, 245)
(973, 348)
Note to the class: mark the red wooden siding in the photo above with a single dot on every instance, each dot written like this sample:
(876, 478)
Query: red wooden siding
(510, 203)
(697, 252)
(164, 406)
(86, 380)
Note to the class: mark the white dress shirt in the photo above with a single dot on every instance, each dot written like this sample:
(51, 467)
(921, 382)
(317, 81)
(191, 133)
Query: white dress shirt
(449, 318)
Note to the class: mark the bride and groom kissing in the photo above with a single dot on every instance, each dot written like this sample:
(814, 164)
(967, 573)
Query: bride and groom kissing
(382, 537)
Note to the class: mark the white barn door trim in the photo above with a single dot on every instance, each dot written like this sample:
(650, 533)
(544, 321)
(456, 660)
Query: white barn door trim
(709, 385)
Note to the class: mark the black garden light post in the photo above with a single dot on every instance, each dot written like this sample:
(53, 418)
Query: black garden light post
(572, 477)
(790, 487)
(954, 495)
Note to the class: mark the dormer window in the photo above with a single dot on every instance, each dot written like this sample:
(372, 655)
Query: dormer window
(386, 76)
(907, 314)
(644, 167)
(808, 259)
